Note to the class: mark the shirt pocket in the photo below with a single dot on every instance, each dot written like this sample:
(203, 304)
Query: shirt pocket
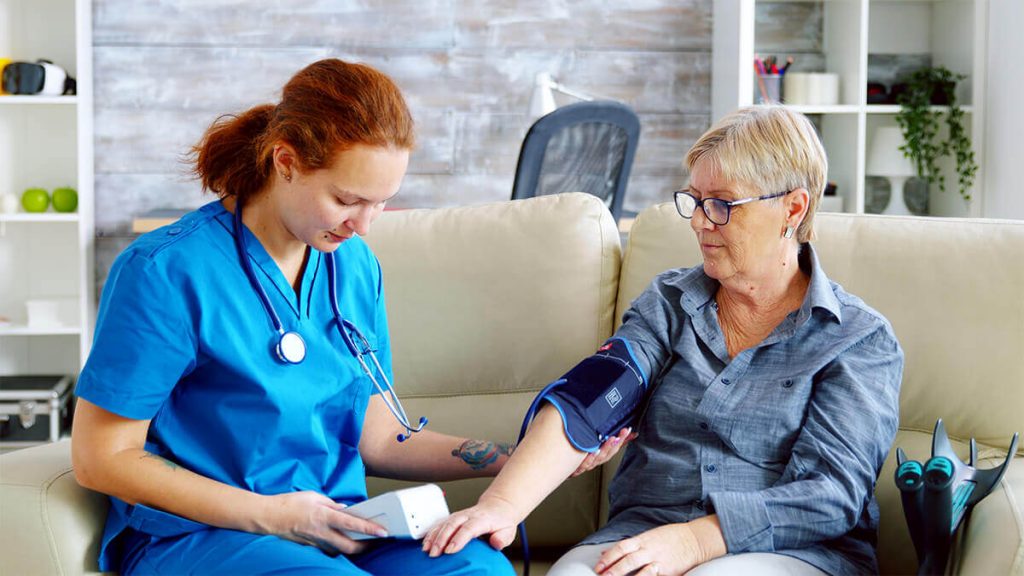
(767, 420)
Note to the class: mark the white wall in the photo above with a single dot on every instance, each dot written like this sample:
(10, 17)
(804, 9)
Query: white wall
(1004, 112)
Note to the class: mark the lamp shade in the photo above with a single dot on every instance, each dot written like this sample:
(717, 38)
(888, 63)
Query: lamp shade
(885, 157)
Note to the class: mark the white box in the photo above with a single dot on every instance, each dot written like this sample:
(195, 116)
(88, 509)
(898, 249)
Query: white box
(831, 204)
(406, 513)
(51, 312)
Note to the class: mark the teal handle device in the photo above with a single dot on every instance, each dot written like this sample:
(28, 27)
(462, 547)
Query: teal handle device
(939, 495)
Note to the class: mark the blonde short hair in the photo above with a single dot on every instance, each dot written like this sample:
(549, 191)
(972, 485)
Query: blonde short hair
(771, 149)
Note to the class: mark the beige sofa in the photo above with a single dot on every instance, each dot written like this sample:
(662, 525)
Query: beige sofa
(489, 303)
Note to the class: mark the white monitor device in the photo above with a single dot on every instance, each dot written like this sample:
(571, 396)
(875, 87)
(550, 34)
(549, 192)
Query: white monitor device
(406, 514)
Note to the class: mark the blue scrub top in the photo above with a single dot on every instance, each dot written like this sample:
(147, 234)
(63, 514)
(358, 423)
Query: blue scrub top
(182, 339)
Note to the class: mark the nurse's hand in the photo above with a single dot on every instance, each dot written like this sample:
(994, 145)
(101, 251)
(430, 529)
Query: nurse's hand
(316, 520)
(491, 516)
(609, 449)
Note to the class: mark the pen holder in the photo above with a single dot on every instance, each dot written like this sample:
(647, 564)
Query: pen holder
(768, 89)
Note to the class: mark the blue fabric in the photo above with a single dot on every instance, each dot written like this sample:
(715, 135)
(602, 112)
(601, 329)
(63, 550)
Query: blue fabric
(784, 442)
(599, 396)
(230, 552)
(182, 339)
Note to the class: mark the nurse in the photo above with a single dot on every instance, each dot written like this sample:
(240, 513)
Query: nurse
(220, 455)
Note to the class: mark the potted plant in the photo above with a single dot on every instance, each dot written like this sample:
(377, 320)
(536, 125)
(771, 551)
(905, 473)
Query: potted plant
(920, 123)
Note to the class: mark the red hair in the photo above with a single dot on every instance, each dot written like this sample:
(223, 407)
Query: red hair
(325, 108)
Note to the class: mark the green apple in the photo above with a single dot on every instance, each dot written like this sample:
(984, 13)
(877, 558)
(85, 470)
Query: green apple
(35, 200)
(65, 199)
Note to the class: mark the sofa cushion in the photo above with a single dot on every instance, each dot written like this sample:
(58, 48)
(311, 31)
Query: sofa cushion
(52, 525)
(486, 305)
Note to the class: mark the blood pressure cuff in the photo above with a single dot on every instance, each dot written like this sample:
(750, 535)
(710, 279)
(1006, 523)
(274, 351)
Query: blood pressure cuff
(600, 396)
(43, 78)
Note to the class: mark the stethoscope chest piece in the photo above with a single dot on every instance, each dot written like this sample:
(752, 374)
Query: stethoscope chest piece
(291, 348)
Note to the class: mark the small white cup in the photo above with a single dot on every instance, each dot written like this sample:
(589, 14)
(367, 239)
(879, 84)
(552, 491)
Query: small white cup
(811, 88)
(8, 204)
(50, 312)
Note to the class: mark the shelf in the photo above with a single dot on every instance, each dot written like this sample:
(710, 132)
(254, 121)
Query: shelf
(41, 217)
(834, 109)
(15, 100)
(23, 330)
(895, 108)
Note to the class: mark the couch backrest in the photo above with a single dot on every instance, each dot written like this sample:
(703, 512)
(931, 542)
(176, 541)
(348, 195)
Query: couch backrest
(486, 305)
(953, 290)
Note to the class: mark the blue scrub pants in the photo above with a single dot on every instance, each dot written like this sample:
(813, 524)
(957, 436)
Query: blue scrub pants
(217, 551)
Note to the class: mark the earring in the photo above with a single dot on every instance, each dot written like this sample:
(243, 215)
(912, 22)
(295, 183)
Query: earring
(789, 232)
(287, 176)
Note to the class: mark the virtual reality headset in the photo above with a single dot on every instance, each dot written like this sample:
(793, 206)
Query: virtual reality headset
(42, 78)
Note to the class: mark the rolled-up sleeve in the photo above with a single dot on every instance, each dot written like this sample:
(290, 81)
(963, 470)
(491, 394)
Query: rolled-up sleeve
(850, 425)
(649, 323)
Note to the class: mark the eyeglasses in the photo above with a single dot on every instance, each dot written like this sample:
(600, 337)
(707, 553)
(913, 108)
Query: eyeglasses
(716, 209)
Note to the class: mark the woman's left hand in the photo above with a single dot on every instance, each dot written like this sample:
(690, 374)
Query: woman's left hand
(664, 551)
(609, 449)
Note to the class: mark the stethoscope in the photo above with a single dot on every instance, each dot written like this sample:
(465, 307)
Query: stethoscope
(291, 348)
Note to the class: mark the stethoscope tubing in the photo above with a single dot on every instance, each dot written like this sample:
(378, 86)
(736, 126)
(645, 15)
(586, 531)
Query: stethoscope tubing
(345, 328)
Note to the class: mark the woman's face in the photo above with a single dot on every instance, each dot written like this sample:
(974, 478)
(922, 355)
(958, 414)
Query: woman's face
(325, 207)
(748, 248)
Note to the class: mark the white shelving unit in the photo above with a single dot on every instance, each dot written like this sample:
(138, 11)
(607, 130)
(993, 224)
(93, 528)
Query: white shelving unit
(47, 142)
(950, 32)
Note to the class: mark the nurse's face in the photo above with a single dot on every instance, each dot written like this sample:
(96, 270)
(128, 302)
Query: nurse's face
(325, 207)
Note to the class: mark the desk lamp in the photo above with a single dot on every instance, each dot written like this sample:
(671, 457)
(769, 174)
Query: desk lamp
(886, 159)
(542, 101)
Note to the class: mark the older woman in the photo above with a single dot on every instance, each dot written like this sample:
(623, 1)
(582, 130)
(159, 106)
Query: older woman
(774, 392)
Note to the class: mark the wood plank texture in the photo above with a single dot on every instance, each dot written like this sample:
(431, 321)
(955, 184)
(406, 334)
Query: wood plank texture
(165, 69)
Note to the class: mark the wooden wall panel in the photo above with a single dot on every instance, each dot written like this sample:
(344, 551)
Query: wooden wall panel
(165, 69)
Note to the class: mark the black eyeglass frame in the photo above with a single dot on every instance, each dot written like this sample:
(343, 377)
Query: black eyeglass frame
(727, 203)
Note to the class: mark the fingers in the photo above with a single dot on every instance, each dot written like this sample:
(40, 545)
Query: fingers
(609, 449)
(651, 569)
(467, 531)
(442, 535)
(586, 465)
(611, 557)
(342, 521)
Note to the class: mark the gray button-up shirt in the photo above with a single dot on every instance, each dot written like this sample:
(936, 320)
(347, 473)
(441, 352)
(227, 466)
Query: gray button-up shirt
(784, 442)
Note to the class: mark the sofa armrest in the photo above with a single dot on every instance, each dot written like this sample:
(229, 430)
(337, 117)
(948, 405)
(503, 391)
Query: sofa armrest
(992, 539)
(51, 525)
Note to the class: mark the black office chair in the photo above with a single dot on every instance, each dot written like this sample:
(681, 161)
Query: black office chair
(582, 147)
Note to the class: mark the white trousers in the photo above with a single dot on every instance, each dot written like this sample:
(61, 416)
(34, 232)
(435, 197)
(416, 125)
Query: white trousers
(580, 561)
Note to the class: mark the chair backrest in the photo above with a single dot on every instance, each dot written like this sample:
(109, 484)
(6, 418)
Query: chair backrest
(583, 147)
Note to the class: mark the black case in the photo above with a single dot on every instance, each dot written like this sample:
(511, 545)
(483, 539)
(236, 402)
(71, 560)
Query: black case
(34, 409)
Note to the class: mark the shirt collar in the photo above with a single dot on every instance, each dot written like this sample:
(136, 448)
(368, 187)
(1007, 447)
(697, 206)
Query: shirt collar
(699, 289)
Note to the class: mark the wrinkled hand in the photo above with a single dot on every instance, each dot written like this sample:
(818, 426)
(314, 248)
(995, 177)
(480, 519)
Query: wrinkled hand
(492, 516)
(316, 520)
(668, 550)
(608, 450)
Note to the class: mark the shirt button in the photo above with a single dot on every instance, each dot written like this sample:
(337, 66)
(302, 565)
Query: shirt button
(174, 231)
(787, 384)
(703, 425)
(726, 381)
(711, 468)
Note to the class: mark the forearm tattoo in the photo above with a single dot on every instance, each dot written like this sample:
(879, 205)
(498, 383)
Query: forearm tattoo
(480, 453)
(169, 464)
